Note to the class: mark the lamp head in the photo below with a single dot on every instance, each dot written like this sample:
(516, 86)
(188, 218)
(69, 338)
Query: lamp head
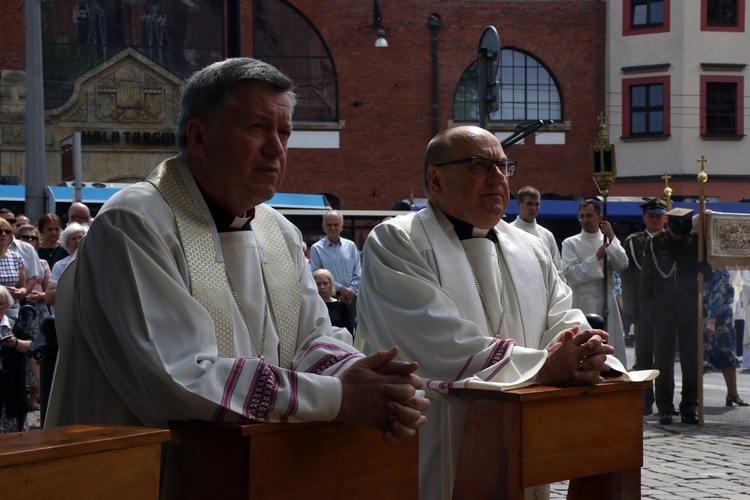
(381, 42)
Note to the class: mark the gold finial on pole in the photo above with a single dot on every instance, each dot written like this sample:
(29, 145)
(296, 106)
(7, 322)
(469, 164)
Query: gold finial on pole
(702, 175)
(667, 190)
(601, 119)
(702, 178)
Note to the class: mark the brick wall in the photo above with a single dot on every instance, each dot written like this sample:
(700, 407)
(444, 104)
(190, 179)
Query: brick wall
(12, 35)
(380, 160)
(383, 140)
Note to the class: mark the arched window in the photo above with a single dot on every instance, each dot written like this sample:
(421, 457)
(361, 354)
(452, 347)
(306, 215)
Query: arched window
(282, 36)
(180, 35)
(527, 91)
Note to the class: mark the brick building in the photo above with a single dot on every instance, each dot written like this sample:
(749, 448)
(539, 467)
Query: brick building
(366, 113)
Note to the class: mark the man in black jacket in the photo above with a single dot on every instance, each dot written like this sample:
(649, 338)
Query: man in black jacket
(669, 291)
(654, 218)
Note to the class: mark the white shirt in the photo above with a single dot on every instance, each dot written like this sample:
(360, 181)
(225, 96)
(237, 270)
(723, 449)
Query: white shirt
(546, 236)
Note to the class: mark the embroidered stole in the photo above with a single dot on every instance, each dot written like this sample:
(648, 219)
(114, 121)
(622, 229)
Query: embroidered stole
(209, 286)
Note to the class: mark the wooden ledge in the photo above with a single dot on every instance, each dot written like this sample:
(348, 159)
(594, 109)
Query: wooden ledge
(60, 442)
(539, 392)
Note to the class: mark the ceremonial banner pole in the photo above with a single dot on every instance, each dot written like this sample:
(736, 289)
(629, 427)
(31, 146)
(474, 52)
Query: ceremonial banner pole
(605, 171)
(667, 190)
(702, 178)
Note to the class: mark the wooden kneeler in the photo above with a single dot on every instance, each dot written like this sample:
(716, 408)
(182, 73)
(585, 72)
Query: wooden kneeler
(320, 460)
(591, 435)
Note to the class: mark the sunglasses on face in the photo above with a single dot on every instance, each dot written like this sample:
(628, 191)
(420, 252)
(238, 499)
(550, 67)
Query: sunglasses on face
(6, 231)
(29, 237)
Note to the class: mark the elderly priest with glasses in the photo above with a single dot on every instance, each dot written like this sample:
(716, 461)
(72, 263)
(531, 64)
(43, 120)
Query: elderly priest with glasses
(467, 295)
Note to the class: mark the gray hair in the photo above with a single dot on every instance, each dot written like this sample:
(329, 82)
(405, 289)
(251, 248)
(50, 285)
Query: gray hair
(332, 212)
(208, 89)
(5, 294)
(69, 231)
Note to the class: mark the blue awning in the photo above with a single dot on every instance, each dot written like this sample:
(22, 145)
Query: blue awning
(618, 210)
(65, 194)
(13, 192)
(302, 201)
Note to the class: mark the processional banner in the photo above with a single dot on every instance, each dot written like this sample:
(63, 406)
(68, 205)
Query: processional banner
(728, 240)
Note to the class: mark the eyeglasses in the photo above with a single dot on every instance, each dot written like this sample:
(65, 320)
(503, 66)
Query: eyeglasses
(586, 216)
(6, 231)
(29, 237)
(482, 166)
(10, 221)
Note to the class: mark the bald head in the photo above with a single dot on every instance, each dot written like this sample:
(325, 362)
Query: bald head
(446, 145)
(453, 183)
(78, 212)
(333, 223)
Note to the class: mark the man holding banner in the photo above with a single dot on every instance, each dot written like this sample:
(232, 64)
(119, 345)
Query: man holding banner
(669, 287)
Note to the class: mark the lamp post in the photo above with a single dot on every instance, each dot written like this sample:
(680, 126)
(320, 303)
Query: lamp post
(488, 60)
(605, 172)
(434, 23)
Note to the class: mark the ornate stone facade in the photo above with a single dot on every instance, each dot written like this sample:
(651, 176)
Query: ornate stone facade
(125, 108)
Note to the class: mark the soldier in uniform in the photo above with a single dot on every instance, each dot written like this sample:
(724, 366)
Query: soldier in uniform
(654, 218)
(669, 291)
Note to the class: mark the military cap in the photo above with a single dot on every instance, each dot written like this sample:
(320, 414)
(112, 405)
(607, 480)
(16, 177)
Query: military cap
(681, 215)
(654, 206)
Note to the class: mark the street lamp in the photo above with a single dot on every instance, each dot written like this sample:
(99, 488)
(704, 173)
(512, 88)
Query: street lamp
(377, 23)
(381, 42)
(605, 172)
(604, 164)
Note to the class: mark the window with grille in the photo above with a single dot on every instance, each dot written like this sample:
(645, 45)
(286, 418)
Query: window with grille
(721, 12)
(527, 91)
(722, 104)
(646, 13)
(723, 15)
(646, 107)
(282, 36)
(645, 17)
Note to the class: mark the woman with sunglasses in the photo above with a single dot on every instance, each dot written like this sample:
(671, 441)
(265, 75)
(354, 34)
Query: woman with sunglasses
(12, 272)
(29, 234)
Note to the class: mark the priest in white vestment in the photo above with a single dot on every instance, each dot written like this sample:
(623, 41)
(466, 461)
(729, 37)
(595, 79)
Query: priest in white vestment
(528, 200)
(189, 299)
(583, 265)
(464, 293)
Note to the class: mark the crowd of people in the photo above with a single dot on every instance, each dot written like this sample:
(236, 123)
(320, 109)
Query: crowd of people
(31, 257)
(220, 316)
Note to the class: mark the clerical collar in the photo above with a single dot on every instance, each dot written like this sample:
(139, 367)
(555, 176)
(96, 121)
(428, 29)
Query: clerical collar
(466, 231)
(225, 221)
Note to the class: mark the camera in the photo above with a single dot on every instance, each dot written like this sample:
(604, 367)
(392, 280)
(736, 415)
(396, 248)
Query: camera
(5, 332)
